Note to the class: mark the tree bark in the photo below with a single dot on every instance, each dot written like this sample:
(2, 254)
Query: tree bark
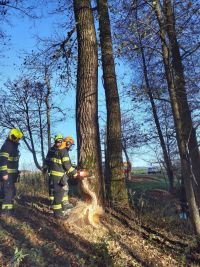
(32, 147)
(89, 151)
(166, 156)
(115, 178)
(179, 126)
(48, 108)
(189, 133)
(41, 133)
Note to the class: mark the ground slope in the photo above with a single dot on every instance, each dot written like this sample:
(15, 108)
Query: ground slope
(34, 238)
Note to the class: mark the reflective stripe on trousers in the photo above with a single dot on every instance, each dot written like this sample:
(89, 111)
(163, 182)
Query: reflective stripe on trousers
(7, 206)
(57, 206)
(55, 173)
(65, 198)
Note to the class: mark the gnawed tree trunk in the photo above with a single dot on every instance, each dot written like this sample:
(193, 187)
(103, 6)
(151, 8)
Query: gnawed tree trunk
(182, 143)
(89, 151)
(115, 178)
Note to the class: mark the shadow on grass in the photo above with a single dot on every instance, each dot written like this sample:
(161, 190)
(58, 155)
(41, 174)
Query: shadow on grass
(130, 251)
(147, 233)
(57, 246)
(125, 218)
(6, 247)
(20, 241)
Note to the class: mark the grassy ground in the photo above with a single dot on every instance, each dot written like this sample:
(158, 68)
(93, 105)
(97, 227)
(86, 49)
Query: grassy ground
(145, 181)
(125, 237)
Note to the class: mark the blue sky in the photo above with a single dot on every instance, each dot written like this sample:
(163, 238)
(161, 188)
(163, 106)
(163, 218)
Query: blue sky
(22, 39)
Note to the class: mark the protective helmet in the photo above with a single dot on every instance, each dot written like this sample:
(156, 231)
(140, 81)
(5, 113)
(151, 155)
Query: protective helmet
(15, 134)
(58, 137)
(69, 140)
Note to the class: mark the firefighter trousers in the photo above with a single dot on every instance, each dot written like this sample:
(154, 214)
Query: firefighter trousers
(51, 190)
(60, 195)
(7, 193)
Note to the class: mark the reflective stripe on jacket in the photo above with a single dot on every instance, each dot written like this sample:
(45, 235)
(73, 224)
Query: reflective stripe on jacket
(9, 158)
(59, 163)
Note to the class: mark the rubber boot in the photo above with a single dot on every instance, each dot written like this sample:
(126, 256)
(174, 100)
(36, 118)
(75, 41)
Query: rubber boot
(7, 212)
(0, 207)
(66, 206)
(58, 214)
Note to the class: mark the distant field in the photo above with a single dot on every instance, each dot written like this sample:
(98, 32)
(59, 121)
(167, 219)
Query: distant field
(139, 171)
(144, 181)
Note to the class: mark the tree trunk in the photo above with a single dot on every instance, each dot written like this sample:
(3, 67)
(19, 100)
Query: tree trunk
(185, 163)
(89, 151)
(189, 133)
(166, 156)
(48, 108)
(128, 172)
(41, 133)
(115, 178)
(32, 147)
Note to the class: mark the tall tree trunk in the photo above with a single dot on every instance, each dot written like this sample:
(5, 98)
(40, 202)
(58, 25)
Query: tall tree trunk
(185, 163)
(89, 151)
(32, 146)
(48, 108)
(115, 179)
(189, 133)
(41, 133)
(157, 123)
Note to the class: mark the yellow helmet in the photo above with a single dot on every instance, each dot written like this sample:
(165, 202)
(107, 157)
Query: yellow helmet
(15, 134)
(58, 137)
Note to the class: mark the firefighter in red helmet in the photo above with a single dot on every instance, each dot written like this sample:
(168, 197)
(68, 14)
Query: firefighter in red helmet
(59, 167)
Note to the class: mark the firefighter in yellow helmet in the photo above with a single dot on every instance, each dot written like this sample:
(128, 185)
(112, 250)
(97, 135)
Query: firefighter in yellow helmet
(9, 161)
(59, 167)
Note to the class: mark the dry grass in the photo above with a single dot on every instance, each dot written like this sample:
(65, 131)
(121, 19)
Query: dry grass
(125, 238)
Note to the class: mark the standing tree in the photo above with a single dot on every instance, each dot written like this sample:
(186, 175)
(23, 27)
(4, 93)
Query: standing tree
(188, 131)
(115, 180)
(182, 117)
(166, 156)
(42, 71)
(89, 151)
(135, 45)
(23, 106)
(48, 105)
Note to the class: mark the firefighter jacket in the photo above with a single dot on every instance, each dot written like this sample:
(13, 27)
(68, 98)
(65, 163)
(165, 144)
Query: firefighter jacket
(9, 159)
(58, 163)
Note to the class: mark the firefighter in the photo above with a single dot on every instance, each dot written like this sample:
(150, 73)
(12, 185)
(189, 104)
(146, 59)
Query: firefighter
(68, 142)
(9, 174)
(59, 167)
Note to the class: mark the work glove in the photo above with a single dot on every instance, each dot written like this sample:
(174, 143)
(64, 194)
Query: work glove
(63, 181)
(65, 187)
(5, 177)
(82, 174)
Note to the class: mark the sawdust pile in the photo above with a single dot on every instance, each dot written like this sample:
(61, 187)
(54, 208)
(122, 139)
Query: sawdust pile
(87, 212)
